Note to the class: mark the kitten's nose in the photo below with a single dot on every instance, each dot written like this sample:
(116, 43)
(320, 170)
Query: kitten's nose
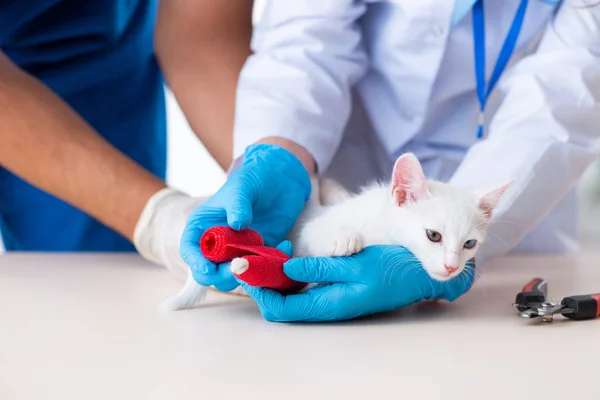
(451, 268)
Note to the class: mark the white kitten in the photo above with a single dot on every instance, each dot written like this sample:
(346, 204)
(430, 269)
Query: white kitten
(442, 225)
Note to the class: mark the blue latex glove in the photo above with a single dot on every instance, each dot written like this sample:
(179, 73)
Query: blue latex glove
(266, 193)
(379, 278)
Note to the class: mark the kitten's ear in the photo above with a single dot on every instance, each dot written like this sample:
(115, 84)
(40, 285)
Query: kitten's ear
(408, 180)
(489, 199)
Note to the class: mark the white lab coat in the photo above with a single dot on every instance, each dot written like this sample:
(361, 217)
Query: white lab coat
(359, 82)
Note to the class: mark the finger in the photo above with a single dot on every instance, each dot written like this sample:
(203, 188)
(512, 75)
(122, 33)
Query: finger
(257, 295)
(316, 305)
(221, 278)
(189, 246)
(272, 304)
(460, 284)
(286, 247)
(323, 303)
(202, 279)
(239, 209)
(191, 254)
(224, 279)
(455, 287)
(227, 286)
(320, 269)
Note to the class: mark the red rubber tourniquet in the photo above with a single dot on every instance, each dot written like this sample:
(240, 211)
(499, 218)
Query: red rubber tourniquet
(265, 264)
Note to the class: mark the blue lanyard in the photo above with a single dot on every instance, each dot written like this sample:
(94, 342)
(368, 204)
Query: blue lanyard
(483, 92)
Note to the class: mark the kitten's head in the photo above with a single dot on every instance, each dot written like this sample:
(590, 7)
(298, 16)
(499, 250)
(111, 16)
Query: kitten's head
(442, 225)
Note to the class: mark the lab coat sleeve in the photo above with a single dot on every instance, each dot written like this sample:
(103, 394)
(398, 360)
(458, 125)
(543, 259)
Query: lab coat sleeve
(307, 56)
(545, 132)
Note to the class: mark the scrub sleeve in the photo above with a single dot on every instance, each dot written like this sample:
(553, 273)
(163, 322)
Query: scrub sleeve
(97, 55)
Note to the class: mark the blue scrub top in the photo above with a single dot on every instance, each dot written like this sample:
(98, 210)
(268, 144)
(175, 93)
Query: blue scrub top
(98, 56)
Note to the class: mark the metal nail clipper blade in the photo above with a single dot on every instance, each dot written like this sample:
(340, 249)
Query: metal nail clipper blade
(531, 303)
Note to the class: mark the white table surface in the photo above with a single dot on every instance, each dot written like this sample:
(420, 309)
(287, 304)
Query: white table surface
(88, 327)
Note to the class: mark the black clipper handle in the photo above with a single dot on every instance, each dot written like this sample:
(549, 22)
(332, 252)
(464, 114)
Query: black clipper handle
(533, 292)
(584, 307)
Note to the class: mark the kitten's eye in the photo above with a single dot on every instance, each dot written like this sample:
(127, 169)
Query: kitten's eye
(469, 244)
(434, 236)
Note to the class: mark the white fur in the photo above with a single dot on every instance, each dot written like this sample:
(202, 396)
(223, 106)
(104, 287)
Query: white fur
(331, 192)
(190, 295)
(337, 223)
(239, 266)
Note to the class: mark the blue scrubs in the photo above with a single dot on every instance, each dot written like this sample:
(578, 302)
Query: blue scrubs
(98, 56)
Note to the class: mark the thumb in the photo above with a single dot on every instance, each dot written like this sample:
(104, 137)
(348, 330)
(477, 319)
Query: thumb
(268, 301)
(319, 269)
(239, 210)
(286, 247)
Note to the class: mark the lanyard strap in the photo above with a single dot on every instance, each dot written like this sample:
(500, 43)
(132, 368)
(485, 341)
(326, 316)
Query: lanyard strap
(483, 92)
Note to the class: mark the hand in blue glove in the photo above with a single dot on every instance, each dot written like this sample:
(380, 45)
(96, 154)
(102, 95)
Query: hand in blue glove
(266, 193)
(379, 278)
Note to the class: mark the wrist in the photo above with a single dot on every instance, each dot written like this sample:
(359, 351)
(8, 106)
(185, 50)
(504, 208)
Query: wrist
(144, 236)
(281, 161)
(299, 152)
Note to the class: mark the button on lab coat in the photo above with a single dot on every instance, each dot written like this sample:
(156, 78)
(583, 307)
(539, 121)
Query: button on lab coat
(359, 82)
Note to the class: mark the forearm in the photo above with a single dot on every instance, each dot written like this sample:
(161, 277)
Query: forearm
(297, 86)
(46, 143)
(201, 47)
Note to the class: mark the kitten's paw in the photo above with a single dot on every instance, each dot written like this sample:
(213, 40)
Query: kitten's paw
(239, 266)
(346, 245)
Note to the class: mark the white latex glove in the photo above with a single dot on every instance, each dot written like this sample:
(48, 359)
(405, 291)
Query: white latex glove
(158, 231)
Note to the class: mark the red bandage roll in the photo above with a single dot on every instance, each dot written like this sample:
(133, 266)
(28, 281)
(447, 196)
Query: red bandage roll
(264, 266)
(266, 272)
(217, 243)
(265, 269)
